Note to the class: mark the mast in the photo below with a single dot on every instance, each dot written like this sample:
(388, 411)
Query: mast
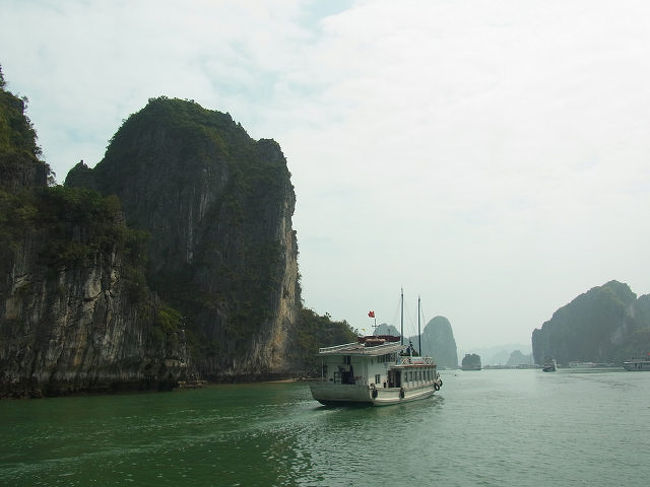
(401, 318)
(419, 334)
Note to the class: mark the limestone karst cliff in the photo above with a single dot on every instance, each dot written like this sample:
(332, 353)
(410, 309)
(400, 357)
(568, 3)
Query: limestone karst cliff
(217, 206)
(173, 258)
(74, 313)
(471, 361)
(438, 341)
(608, 323)
(518, 358)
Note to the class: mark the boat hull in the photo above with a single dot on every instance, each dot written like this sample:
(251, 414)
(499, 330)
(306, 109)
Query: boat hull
(637, 365)
(330, 394)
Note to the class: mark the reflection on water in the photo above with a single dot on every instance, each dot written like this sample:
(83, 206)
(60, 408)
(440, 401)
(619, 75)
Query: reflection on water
(496, 427)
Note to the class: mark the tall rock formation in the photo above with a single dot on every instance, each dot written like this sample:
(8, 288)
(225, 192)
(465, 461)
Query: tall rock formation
(438, 341)
(471, 361)
(386, 329)
(606, 324)
(74, 313)
(518, 358)
(217, 206)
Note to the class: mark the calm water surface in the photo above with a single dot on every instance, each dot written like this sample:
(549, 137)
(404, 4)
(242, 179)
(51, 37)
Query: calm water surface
(493, 428)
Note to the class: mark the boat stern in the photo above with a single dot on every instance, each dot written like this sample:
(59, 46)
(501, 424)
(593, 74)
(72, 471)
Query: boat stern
(332, 394)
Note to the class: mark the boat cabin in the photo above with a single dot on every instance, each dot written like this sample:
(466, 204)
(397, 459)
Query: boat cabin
(375, 361)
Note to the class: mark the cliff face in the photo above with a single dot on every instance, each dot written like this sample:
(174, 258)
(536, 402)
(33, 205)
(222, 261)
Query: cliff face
(438, 341)
(218, 207)
(606, 324)
(79, 328)
(75, 314)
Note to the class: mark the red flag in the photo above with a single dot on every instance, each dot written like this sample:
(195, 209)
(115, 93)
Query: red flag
(371, 314)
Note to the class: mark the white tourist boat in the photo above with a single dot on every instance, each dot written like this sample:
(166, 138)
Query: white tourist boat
(637, 364)
(375, 370)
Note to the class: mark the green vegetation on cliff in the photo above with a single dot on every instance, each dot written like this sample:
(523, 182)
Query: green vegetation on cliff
(75, 310)
(218, 207)
(20, 165)
(180, 236)
(313, 332)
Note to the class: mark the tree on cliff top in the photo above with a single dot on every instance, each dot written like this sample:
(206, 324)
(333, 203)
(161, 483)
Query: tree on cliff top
(20, 162)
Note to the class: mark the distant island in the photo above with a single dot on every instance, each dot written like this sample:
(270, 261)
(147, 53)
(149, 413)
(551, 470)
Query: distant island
(501, 355)
(608, 324)
(471, 361)
(517, 359)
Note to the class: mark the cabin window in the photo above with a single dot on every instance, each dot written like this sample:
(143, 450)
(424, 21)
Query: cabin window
(346, 359)
(377, 378)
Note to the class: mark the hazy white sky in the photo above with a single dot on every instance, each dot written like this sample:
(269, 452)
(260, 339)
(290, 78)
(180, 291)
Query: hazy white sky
(491, 156)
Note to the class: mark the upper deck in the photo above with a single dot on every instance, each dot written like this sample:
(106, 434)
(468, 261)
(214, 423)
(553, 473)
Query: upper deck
(366, 346)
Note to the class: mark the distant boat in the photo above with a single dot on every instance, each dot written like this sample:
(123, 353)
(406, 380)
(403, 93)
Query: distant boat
(637, 364)
(550, 365)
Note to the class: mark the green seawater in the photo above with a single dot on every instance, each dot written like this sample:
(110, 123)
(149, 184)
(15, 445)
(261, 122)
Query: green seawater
(490, 428)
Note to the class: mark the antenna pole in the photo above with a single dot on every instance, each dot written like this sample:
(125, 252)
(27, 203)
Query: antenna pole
(419, 334)
(401, 318)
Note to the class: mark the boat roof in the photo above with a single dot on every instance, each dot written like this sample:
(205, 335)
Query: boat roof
(362, 348)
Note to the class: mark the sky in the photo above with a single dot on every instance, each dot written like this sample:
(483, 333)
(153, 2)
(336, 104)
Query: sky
(490, 156)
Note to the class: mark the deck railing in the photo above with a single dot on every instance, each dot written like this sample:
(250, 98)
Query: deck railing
(409, 360)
